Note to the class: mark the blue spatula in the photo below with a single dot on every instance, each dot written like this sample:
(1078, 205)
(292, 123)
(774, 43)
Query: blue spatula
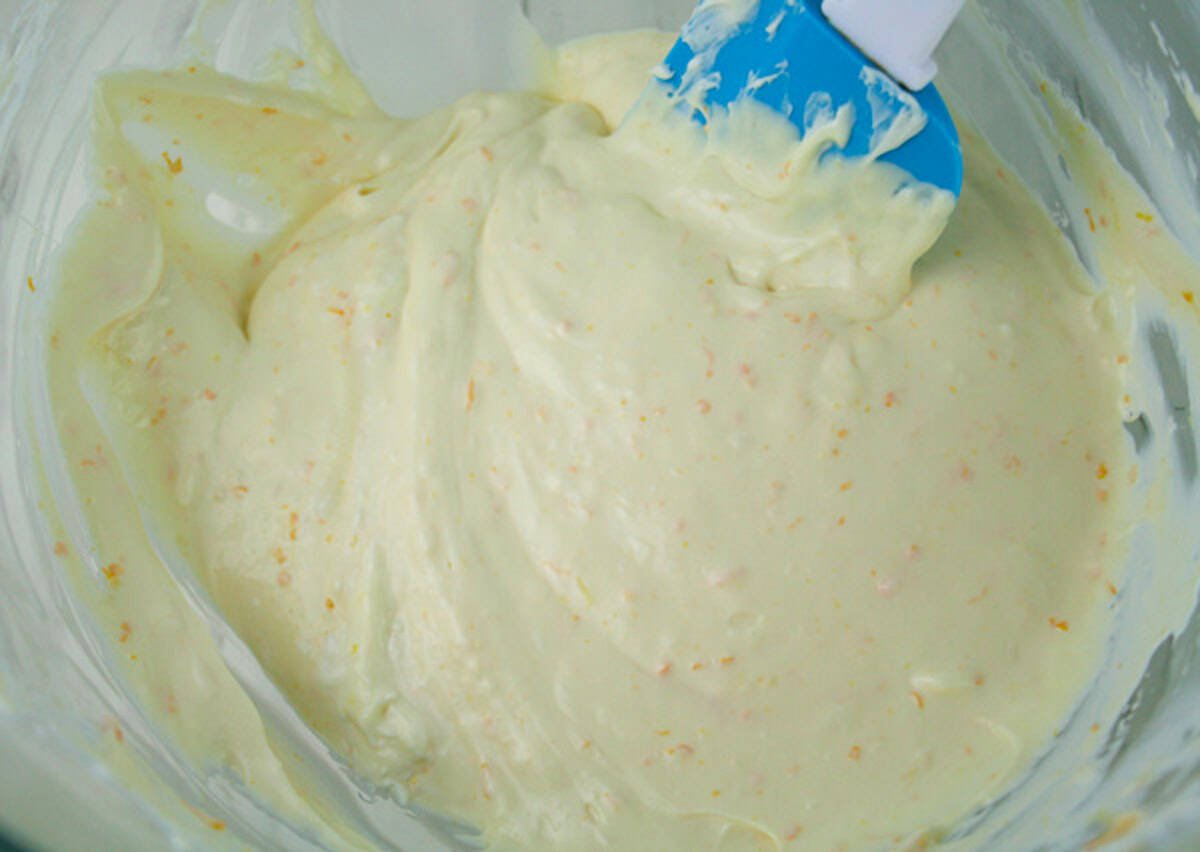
(791, 56)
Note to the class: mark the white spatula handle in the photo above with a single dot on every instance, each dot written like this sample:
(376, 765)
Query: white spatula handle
(900, 35)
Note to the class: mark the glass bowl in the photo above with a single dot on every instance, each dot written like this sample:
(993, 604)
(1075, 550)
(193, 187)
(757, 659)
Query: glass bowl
(1126, 68)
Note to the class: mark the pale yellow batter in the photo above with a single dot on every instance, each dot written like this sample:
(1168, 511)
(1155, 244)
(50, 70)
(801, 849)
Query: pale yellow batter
(595, 488)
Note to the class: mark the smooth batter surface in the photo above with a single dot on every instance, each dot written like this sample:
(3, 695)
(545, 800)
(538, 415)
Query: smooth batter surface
(599, 488)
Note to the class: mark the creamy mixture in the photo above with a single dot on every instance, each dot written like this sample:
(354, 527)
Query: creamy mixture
(592, 486)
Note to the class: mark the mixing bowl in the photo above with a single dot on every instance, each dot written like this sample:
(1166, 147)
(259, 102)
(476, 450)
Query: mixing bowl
(1127, 69)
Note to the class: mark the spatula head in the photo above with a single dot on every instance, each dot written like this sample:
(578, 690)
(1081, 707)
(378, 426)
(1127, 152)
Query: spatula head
(785, 54)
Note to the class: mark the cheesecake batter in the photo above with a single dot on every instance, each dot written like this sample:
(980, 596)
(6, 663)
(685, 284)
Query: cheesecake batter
(595, 483)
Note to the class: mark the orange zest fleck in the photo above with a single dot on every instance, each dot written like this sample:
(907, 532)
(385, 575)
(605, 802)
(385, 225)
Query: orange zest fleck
(983, 593)
(280, 556)
(664, 669)
(1112, 588)
(1059, 624)
(241, 490)
(1145, 217)
(683, 747)
(1119, 828)
(173, 166)
(61, 549)
(846, 486)
(284, 579)
(1102, 471)
(1189, 297)
(329, 605)
(126, 632)
(210, 394)
(919, 698)
(30, 285)
(704, 406)
(470, 394)
(1087, 211)
(269, 111)
(112, 572)
(855, 752)
(726, 661)
(293, 522)
(889, 399)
